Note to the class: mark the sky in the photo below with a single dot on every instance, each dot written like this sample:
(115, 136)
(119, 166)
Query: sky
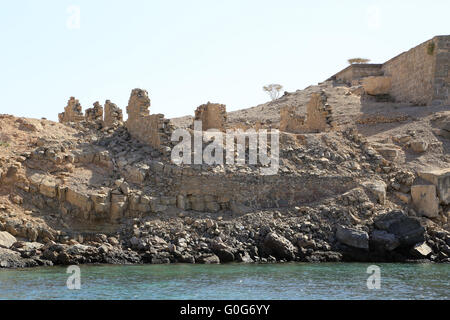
(186, 53)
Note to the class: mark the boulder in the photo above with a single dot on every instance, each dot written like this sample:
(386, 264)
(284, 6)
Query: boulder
(378, 189)
(48, 187)
(390, 153)
(6, 239)
(79, 199)
(209, 259)
(376, 85)
(244, 258)
(352, 237)
(425, 200)
(405, 198)
(407, 230)
(419, 146)
(279, 246)
(11, 259)
(382, 240)
(441, 179)
(421, 250)
(223, 251)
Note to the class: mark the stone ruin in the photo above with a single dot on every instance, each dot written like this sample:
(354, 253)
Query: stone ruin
(72, 112)
(154, 129)
(113, 115)
(94, 114)
(212, 116)
(290, 121)
(318, 116)
(419, 76)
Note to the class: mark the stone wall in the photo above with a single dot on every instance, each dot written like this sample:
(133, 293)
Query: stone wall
(212, 116)
(441, 83)
(290, 121)
(153, 130)
(72, 112)
(113, 114)
(358, 71)
(214, 193)
(420, 75)
(318, 113)
(318, 116)
(94, 114)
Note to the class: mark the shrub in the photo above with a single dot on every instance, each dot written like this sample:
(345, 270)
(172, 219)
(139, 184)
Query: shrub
(273, 90)
(358, 60)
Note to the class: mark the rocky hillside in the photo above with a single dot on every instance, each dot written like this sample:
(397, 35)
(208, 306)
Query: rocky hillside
(375, 188)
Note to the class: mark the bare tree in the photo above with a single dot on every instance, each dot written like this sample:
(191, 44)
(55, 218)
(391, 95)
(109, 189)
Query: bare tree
(273, 90)
(358, 60)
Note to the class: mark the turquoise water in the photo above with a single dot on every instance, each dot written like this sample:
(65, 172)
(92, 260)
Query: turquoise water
(232, 281)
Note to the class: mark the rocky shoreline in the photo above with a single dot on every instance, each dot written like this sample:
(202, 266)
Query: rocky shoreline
(94, 191)
(262, 237)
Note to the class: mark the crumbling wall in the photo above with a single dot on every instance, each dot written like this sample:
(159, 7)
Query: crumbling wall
(318, 113)
(72, 112)
(212, 116)
(358, 71)
(94, 114)
(318, 116)
(113, 114)
(154, 129)
(290, 121)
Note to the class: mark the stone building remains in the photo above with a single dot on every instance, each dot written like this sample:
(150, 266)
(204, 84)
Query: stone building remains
(420, 76)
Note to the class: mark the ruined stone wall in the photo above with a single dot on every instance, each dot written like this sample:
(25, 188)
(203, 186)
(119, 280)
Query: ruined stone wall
(318, 113)
(113, 114)
(153, 130)
(94, 114)
(213, 193)
(318, 116)
(212, 115)
(358, 71)
(420, 75)
(72, 112)
(290, 121)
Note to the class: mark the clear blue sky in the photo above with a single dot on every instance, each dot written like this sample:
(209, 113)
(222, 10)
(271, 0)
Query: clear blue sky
(188, 52)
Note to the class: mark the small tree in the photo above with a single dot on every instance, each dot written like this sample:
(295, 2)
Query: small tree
(273, 90)
(358, 60)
